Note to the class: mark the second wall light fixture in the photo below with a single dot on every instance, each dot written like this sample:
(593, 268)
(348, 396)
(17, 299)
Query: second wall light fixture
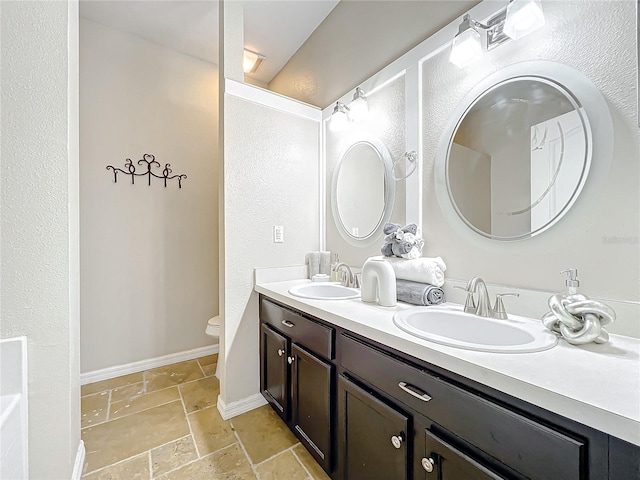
(356, 111)
(516, 20)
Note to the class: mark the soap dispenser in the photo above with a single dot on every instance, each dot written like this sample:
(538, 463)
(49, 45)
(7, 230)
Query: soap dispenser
(575, 317)
(335, 275)
(572, 281)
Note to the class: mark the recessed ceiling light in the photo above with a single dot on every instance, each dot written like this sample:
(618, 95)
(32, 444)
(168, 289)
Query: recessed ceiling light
(252, 61)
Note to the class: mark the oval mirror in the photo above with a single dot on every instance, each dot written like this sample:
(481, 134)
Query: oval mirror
(362, 191)
(517, 155)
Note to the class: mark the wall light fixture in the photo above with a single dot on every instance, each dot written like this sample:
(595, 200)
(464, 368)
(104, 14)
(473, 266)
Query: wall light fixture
(251, 61)
(356, 111)
(517, 19)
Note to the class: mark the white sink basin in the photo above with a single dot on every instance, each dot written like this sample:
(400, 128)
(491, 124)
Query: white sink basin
(453, 327)
(324, 291)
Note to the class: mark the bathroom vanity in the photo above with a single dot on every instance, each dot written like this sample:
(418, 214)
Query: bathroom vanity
(371, 402)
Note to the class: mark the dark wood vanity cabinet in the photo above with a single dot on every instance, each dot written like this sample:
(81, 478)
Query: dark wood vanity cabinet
(365, 411)
(466, 431)
(297, 376)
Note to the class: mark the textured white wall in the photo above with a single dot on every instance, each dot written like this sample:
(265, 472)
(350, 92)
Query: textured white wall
(600, 239)
(38, 220)
(149, 253)
(270, 178)
(386, 121)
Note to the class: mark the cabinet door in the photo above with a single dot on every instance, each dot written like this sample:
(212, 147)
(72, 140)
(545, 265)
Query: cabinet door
(624, 460)
(443, 461)
(311, 407)
(274, 381)
(372, 436)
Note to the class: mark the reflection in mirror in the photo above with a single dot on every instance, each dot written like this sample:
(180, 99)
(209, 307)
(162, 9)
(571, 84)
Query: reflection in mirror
(362, 193)
(518, 158)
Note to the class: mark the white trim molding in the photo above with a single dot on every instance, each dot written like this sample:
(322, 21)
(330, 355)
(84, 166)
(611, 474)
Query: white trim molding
(79, 463)
(140, 366)
(271, 100)
(239, 407)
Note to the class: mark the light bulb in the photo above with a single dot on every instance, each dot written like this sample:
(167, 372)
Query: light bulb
(466, 48)
(523, 17)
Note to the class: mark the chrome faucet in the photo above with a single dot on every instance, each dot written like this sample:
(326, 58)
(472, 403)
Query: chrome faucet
(477, 285)
(483, 306)
(348, 278)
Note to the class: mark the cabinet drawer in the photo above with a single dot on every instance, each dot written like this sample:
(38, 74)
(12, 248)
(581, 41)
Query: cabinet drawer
(313, 335)
(530, 448)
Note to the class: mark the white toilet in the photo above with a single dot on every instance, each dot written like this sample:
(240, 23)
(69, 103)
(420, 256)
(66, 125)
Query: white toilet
(213, 327)
(213, 330)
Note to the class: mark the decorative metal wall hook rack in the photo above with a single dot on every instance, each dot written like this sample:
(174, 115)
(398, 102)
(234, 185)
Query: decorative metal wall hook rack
(150, 161)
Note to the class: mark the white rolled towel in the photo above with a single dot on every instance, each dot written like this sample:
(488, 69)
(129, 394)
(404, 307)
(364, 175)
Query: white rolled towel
(423, 269)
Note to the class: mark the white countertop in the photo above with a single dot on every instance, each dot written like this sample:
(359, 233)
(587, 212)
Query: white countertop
(597, 385)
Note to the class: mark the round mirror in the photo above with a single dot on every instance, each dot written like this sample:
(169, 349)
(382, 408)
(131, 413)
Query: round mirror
(362, 191)
(517, 155)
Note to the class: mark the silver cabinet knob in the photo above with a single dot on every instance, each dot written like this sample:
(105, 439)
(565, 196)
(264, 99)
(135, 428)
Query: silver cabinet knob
(396, 441)
(290, 360)
(427, 464)
(280, 352)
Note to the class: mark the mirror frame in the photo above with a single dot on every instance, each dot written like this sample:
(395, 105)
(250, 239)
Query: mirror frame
(389, 194)
(591, 107)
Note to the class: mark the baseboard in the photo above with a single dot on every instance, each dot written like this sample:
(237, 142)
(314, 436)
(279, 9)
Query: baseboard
(142, 365)
(79, 463)
(233, 409)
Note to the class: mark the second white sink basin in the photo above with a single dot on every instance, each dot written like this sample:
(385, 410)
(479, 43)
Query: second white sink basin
(453, 327)
(324, 291)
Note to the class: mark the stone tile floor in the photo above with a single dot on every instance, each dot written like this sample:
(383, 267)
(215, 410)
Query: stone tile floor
(163, 424)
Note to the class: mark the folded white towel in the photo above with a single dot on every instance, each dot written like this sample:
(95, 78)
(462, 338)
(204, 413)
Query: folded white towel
(423, 269)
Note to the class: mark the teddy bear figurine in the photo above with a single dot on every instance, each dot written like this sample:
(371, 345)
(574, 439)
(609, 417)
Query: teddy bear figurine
(403, 242)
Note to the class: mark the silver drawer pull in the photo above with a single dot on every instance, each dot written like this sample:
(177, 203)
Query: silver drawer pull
(280, 352)
(413, 391)
(287, 323)
(291, 360)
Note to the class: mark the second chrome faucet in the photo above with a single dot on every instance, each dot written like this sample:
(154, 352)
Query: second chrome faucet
(349, 279)
(483, 306)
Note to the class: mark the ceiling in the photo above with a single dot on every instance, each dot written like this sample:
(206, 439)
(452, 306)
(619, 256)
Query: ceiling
(275, 29)
(333, 45)
(358, 39)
